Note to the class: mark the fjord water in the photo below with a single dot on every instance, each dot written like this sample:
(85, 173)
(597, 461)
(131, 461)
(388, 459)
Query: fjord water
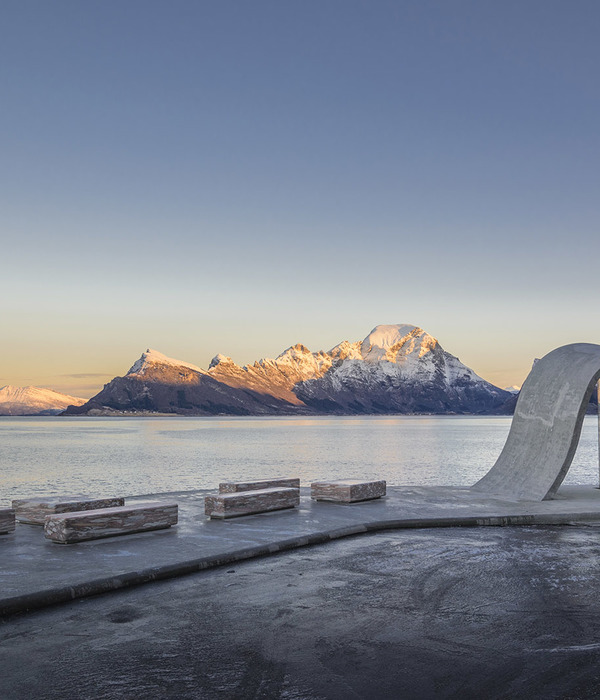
(134, 456)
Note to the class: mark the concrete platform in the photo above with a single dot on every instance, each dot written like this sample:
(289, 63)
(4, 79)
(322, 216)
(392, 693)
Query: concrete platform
(490, 613)
(37, 573)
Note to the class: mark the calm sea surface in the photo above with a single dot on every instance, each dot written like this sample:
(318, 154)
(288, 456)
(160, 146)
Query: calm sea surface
(129, 456)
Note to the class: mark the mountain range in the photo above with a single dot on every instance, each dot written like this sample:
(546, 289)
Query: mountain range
(394, 369)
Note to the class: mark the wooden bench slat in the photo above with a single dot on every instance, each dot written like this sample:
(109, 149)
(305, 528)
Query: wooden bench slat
(237, 486)
(33, 511)
(347, 491)
(7, 521)
(231, 505)
(78, 526)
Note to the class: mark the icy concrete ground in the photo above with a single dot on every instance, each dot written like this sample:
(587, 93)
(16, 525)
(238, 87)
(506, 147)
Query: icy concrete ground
(36, 572)
(455, 613)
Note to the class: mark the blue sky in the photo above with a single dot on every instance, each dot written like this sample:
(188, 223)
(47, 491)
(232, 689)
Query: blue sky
(235, 177)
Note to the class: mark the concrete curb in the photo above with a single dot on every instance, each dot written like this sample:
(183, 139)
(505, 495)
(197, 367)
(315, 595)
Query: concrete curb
(54, 596)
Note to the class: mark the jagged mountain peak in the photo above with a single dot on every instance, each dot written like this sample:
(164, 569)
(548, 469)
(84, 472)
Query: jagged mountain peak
(220, 359)
(346, 351)
(152, 358)
(294, 352)
(385, 342)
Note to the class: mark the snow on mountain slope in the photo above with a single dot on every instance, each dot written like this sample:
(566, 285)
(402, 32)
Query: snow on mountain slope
(346, 351)
(401, 369)
(31, 400)
(385, 342)
(152, 360)
(416, 353)
(275, 377)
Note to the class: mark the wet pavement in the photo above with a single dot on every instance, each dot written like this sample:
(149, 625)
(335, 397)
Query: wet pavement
(481, 613)
(36, 572)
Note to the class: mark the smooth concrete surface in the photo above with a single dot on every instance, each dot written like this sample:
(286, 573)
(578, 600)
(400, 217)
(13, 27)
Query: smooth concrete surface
(36, 572)
(453, 614)
(546, 426)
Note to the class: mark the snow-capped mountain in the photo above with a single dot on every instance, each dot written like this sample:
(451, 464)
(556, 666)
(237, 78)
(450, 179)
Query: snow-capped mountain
(395, 369)
(31, 401)
(399, 369)
(514, 389)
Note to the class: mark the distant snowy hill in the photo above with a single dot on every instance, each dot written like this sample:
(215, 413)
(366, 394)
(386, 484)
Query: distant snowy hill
(395, 369)
(31, 400)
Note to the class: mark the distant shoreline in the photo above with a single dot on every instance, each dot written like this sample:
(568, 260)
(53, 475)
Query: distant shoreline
(111, 413)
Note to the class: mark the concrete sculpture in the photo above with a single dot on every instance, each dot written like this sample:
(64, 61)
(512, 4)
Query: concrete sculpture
(546, 426)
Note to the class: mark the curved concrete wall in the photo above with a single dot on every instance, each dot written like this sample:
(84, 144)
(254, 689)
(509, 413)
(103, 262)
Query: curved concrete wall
(546, 426)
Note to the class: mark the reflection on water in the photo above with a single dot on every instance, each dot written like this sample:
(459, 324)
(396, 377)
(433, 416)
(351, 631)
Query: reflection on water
(105, 456)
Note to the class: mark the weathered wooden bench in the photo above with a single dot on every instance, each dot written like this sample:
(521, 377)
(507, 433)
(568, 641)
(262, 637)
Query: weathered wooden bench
(78, 526)
(231, 505)
(349, 491)
(7, 521)
(237, 486)
(33, 511)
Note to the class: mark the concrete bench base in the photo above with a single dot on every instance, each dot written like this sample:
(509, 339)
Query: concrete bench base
(237, 486)
(7, 521)
(33, 511)
(347, 491)
(78, 526)
(231, 505)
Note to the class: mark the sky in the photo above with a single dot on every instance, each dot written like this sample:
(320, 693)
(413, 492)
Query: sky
(236, 177)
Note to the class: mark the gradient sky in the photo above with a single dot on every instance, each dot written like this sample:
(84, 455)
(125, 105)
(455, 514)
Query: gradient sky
(235, 177)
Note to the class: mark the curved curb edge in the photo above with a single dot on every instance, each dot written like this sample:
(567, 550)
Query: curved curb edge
(53, 596)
